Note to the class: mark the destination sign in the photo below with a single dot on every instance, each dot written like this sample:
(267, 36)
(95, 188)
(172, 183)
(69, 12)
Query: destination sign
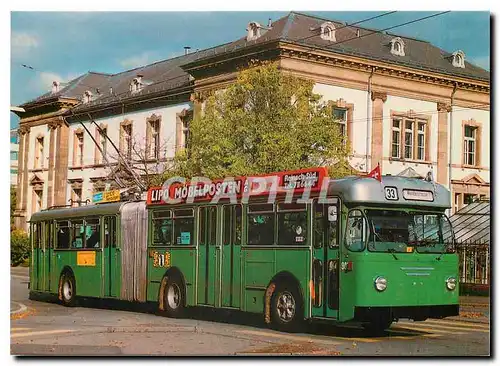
(417, 195)
(204, 189)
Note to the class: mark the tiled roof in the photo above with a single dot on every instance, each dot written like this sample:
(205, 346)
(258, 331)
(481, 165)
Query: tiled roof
(295, 28)
(471, 224)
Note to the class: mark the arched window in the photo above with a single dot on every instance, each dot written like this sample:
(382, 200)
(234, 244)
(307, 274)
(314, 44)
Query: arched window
(459, 59)
(328, 31)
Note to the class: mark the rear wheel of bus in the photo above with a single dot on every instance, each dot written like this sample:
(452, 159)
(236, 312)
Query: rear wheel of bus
(174, 297)
(287, 308)
(67, 289)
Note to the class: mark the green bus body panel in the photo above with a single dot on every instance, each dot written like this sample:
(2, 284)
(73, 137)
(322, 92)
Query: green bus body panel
(88, 279)
(413, 279)
(181, 258)
(261, 265)
(231, 289)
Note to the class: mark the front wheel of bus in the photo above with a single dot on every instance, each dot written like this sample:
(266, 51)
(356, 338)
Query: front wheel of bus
(173, 297)
(68, 289)
(287, 314)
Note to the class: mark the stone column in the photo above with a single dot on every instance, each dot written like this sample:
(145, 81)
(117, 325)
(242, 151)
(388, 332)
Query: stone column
(22, 178)
(442, 143)
(377, 147)
(61, 166)
(50, 185)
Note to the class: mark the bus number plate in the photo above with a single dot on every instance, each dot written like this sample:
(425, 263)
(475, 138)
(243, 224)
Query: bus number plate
(391, 193)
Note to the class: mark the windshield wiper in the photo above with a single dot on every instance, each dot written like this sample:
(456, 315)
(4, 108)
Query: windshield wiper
(392, 251)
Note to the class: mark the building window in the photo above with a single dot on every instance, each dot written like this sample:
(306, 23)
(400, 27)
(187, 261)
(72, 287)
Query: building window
(470, 145)
(76, 197)
(340, 116)
(408, 143)
(469, 198)
(37, 200)
(458, 59)
(87, 96)
(397, 46)
(103, 141)
(126, 132)
(154, 138)
(13, 171)
(396, 138)
(328, 32)
(39, 153)
(78, 152)
(14, 155)
(420, 141)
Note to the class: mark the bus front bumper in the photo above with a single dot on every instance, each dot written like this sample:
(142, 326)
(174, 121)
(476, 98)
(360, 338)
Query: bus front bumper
(422, 312)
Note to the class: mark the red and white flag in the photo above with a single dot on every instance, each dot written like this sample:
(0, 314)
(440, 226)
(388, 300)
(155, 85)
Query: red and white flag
(376, 173)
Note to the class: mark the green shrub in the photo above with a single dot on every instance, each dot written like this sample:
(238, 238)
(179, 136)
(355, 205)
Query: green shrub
(19, 247)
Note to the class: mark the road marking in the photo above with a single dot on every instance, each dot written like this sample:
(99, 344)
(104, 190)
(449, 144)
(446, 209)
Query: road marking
(422, 328)
(286, 336)
(415, 336)
(463, 324)
(446, 327)
(42, 332)
(18, 329)
(21, 309)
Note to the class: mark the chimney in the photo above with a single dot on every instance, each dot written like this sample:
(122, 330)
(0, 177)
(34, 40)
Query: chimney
(269, 23)
(357, 32)
(186, 50)
(139, 78)
(110, 90)
(55, 87)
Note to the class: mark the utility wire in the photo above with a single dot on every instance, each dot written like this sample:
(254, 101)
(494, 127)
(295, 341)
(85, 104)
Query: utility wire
(392, 27)
(349, 25)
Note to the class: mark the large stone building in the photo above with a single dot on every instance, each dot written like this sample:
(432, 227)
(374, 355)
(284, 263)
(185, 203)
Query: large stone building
(402, 102)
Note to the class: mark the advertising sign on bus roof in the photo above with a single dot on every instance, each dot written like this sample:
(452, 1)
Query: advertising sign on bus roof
(203, 189)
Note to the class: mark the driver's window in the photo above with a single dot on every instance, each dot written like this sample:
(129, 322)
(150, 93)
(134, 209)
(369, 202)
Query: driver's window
(356, 231)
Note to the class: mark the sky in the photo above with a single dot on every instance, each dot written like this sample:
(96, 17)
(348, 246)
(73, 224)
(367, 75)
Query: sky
(63, 45)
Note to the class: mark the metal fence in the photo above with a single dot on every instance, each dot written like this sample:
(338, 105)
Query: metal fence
(474, 263)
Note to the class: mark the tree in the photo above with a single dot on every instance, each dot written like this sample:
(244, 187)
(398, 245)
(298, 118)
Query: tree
(266, 121)
(19, 247)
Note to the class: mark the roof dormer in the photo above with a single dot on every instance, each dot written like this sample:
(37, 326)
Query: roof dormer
(459, 59)
(55, 86)
(136, 84)
(253, 31)
(328, 32)
(87, 96)
(397, 46)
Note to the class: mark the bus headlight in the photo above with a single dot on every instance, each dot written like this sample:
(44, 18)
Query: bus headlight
(380, 283)
(451, 283)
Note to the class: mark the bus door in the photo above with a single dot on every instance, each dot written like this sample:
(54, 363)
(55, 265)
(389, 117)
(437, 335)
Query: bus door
(111, 258)
(46, 255)
(207, 262)
(325, 263)
(36, 280)
(231, 261)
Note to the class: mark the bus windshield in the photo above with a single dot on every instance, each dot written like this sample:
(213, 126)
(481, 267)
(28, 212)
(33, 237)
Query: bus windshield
(398, 231)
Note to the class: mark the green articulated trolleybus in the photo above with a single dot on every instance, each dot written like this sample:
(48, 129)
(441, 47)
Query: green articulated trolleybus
(292, 246)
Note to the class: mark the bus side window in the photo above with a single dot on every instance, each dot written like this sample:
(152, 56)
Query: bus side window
(319, 225)
(292, 224)
(62, 235)
(333, 225)
(110, 232)
(356, 231)
(77, 234)
(232, 224)
(260, 224)
(184, 227)
(92, 233)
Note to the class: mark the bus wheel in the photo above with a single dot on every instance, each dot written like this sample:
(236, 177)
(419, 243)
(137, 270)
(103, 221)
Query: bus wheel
(286, 305)
(173, 298)
(67, 289)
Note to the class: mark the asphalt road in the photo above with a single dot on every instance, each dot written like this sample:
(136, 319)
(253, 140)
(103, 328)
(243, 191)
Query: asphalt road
(45, 328)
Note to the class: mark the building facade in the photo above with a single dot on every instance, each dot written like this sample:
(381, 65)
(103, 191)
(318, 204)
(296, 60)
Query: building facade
(402, 103)
(14, 156)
